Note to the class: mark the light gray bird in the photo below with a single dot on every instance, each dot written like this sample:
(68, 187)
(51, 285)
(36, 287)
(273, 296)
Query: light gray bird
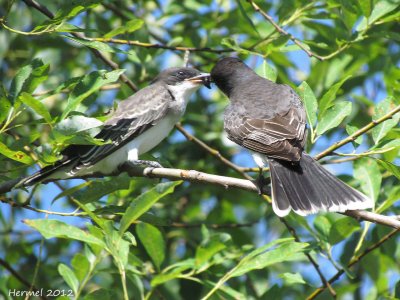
(269, 119)
(139, 123)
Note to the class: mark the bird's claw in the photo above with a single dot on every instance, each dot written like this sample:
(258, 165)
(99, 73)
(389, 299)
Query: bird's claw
(147, 163)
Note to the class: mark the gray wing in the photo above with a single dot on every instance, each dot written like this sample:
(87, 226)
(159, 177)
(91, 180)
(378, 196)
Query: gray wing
(133, 116)
(281, 136)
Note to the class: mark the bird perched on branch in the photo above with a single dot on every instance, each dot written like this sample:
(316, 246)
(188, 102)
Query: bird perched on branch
(139, 123)
(269, 119)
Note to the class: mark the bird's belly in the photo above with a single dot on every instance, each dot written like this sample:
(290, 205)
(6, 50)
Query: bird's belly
(140, 145)
(260, 159)
(154, 135)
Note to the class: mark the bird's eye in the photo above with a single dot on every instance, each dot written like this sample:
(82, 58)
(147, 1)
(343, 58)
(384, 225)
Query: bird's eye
(181, 73)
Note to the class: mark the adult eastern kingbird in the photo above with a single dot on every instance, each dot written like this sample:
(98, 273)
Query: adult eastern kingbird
(269, 119)
(139, 123)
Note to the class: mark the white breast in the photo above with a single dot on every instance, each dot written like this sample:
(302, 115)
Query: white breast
(147, 140)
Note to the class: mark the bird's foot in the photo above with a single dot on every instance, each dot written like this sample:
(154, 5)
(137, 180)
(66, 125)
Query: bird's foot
(147, 163)
(261, 182)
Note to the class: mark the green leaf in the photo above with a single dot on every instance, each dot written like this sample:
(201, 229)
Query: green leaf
(28, 78)
(350, 130)
(381, 8)
(71, 191)
(292, 278)
(328, 98)
(349, 13)
(232, 44)
(342, 229)
(89, 84)
(68, 10)
(366, 6)
(333, 116)
(119, 247)
(36, 105)
(392, 168)
(101, 294)
(397, 290)
(67, 27)
(130, 26)
(54, 228)
(209, 247)
(145, 201)
(176, 41)
(81, 266)
(246, 17)
(381, 109)
(75, 124)
(269, 71)
(99, 188)
(153, 242)
(103, 47)
(174, 271)
(5, 104)
(392, 198)
(310, 102)
(323, 226)
(285, 251)
(69, 277)
(366, 171)
(18, 156)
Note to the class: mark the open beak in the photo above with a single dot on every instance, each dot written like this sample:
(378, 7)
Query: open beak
(203, 78)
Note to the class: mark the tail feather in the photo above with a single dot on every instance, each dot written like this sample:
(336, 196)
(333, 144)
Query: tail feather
(41, 175)
(309, 188)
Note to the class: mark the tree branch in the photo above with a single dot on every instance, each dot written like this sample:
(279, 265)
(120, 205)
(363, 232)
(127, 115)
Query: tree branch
(282, 31)
(325, 283)
(359, 132)
(224, 181)
(158, 46)
(97, 53)
(212, 151)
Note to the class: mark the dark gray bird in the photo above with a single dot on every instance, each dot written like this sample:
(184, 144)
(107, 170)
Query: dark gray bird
(139, 123)
(269, 119)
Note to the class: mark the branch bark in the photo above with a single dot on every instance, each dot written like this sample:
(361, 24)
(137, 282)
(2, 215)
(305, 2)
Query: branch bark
(224, 181)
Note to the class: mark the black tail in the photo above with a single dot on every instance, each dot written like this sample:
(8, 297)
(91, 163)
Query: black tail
(309, 188)
(40, 176)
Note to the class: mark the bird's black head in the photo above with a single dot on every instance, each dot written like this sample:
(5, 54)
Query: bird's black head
(228, 72)
(178, 76)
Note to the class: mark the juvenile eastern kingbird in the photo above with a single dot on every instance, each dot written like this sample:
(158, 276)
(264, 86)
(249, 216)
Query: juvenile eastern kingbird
(139, 123)
(269, 119)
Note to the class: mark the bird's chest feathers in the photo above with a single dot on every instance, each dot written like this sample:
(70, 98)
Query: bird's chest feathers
(181, 95)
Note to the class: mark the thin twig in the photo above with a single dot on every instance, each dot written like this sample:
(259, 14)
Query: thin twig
(158, 46)
(108, 87)
(310, 258)
(21, 279)
(43, 211)
(284, 32)
(354, 261)
(213, 226)
(97, 53)
(212, 151)
(356, 134)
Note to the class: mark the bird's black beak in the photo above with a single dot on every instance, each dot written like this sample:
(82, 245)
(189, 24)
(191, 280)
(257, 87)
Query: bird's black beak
(203, 78)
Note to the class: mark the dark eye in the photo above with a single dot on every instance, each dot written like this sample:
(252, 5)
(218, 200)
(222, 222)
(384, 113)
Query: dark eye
(181, 74)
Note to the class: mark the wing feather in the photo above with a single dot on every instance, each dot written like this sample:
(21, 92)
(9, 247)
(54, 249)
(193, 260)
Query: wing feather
(282, 136)
(133, 116)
